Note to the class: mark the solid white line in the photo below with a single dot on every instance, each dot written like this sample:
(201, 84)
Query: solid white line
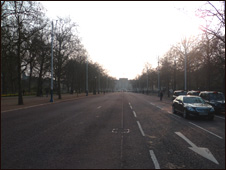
(134, 114)
(141, 130)
(176, 116)
(206, 130)
(159, 107)
(26, 107)
(155, 161)
(220, 117)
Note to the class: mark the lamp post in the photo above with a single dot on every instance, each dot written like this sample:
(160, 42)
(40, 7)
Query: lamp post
(99, 83)
(95, 84)
(185, 71)
(51, 99)
(158, 78)
(147, 80)
(87, 90)
(174, 84)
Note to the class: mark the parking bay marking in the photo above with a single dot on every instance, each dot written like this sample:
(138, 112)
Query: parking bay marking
(206, 130)
(201, 151)
(220, 117)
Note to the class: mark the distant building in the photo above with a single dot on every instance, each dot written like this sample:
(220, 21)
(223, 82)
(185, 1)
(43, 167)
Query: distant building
(123, 84)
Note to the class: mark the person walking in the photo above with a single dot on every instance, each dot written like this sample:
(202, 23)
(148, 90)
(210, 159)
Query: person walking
(161, 95)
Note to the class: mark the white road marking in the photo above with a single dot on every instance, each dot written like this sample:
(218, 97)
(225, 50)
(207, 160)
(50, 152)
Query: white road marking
(131, 107)
(176, 116)
(151, 103)
(159, 107)
(155, 161)
(141, 130)
(206, 130)
(25, 107)
(220, 117)
(129, 104)
(99, 107)
(134, 114)
(201, 151)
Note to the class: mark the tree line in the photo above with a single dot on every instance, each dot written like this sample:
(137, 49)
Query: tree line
(26, 52)
(205, 59)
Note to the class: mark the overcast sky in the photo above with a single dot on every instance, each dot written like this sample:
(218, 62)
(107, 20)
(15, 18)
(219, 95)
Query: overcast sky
(124, 35)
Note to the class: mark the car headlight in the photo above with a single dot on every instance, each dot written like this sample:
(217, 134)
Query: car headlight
(212, 109)
(190, 109)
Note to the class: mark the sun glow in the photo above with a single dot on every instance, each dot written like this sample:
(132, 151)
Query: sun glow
(123, 36)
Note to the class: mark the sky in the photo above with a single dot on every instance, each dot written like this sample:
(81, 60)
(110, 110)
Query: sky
(122, 36)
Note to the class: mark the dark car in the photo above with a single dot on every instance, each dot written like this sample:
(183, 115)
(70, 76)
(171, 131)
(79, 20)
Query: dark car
(178, 93)
(214, 98)
(190, 106)
(193, 92)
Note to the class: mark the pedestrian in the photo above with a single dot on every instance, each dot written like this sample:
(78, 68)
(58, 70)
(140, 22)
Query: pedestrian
(161, 95)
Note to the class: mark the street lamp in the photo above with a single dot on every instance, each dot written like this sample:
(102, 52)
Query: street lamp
(158, 78)
(185, 71)
(147, 80)
(51, 99)
(87, 90)
(95, 84)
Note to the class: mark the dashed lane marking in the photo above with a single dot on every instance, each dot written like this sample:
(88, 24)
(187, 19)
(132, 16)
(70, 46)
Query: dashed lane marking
(154, 159)
(141, 130)
(134, 114)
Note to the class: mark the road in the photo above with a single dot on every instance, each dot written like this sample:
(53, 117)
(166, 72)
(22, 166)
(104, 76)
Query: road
(113, 131)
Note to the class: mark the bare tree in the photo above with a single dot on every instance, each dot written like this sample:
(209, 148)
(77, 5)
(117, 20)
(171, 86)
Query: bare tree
(214, 16)
(23, 17)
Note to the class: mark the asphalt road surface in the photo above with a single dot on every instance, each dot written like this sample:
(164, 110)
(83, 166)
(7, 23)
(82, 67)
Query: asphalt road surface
(113, 131)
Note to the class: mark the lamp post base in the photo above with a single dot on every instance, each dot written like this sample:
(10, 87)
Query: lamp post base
(51, 99)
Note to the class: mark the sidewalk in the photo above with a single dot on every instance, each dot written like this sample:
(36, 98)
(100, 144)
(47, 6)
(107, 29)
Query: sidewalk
(11, 103)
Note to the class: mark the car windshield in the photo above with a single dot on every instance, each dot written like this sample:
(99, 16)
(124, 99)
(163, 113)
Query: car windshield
(216, 96)
(195, 93)
(193, 100)
(180, 93)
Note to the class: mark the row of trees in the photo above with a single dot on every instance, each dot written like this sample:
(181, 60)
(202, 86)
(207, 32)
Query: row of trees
(205, 59)
(26, 50)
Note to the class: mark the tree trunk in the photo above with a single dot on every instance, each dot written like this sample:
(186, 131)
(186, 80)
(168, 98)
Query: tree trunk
(20, 97)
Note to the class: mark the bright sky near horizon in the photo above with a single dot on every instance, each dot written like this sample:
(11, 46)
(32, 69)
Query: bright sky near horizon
(124, 35)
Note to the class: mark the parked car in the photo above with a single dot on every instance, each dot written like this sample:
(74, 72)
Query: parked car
(214, 98)
(178, 93)
(193, 92)
(190, 106)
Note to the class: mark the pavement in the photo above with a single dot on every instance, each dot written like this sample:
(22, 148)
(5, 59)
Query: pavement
(11, 103)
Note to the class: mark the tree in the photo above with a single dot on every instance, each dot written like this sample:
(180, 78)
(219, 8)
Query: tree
(22, 19)
(214, 15)
(65, 46)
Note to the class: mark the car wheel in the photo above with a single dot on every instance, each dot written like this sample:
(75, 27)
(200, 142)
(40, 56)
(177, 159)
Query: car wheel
(173, 109)
(211, 117)
(185, 114)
